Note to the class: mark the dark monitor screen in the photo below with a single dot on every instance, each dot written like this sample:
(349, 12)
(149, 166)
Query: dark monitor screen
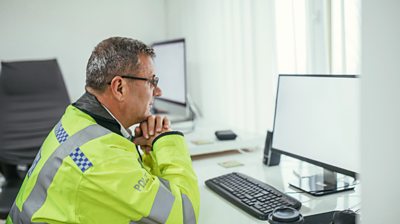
(170, 67)
(317, 121)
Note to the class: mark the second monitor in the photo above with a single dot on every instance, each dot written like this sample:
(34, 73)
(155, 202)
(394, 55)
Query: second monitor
(170, 66)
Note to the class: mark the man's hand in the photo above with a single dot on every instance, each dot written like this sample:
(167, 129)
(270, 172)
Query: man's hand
(148, 130)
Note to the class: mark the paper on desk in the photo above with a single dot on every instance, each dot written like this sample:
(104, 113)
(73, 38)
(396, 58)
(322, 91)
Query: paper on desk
(202, 141)
(230, 163)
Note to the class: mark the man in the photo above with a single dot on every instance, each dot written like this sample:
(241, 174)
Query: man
(88, 169)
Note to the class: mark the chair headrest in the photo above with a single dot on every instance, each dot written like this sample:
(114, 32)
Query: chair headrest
(30, 77)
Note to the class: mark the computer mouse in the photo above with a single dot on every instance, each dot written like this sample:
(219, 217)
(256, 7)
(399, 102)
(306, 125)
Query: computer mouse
(344, 217)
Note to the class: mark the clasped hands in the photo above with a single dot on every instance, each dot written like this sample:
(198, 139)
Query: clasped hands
(149, 129)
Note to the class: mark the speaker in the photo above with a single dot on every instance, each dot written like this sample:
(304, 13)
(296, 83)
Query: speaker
(285, 215)
(270, 158)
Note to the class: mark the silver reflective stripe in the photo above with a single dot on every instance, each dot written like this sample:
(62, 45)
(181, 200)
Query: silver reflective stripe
(15, 213)
(162, 205)
(38, 194)
(188, 211)
(165, 183)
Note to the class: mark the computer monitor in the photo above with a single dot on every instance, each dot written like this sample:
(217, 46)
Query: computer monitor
(170, 67)
(317, 121)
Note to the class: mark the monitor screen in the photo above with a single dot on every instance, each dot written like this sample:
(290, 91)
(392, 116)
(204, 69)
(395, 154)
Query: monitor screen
(170, 67)
(317, 120)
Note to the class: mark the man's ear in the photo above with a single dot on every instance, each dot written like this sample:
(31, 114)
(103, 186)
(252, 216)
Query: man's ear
(118, 88)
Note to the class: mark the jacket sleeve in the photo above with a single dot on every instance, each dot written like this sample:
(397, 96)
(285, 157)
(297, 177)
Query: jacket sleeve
(171, 163)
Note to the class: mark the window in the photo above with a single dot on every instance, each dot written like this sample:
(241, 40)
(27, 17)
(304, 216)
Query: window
(318, 36)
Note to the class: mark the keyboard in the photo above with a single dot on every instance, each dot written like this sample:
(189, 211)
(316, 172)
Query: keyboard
(251, 195)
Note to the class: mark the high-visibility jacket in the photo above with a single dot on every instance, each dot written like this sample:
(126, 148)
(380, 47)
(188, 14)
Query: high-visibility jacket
(84, 173)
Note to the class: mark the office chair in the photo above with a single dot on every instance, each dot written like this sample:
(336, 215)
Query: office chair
(33, 97)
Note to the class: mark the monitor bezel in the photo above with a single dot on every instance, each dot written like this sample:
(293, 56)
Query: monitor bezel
(311, 161)
(179, 40)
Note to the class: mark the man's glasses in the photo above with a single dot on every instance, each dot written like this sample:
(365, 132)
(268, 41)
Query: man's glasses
(153, 80)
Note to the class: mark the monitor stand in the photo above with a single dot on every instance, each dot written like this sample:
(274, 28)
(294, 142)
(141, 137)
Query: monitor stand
(322, 184)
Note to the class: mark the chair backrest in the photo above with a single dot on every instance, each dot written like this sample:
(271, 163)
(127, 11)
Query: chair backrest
(33, 97)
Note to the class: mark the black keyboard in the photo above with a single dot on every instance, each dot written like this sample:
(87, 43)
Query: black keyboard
(251, 195)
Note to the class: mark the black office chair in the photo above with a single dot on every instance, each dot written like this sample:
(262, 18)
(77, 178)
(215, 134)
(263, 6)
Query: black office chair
(33, 97)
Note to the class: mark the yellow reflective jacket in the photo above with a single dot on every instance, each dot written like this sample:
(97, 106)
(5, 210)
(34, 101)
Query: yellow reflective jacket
(84, 173)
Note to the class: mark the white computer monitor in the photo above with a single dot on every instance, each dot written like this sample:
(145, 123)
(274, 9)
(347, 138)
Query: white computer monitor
(170, 67)
(317, 119)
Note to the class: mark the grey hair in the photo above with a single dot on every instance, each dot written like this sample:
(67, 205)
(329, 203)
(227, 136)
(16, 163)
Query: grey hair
(114, 56)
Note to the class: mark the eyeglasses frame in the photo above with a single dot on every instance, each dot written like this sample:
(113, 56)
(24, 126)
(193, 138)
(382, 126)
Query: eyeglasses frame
(154, 80)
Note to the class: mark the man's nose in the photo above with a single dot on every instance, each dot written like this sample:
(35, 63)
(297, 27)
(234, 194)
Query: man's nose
(157, 91)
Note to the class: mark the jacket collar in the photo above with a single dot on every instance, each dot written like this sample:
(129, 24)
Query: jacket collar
(89, 104)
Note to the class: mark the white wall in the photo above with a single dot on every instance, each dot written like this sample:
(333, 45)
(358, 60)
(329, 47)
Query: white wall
(380, 111)
(69, 30)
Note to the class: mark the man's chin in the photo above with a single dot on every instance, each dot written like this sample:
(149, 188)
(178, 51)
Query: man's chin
(146, 115)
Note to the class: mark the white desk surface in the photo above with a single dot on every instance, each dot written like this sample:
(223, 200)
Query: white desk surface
(215, 209)
(201, 138)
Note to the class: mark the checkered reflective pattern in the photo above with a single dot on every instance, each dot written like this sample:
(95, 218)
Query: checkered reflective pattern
(80, 159)
(35, 162)
(61, 134)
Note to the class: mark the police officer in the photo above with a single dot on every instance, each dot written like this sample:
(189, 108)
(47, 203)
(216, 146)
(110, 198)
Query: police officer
(89, 168)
